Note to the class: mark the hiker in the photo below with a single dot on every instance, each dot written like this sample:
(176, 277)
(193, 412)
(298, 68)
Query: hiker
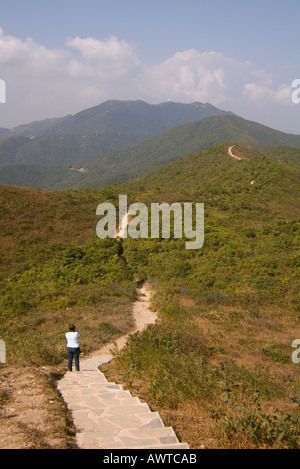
(73, 347)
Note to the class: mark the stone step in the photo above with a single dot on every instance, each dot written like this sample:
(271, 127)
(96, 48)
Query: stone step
(109, 417)
(132, 438)
(164, 434)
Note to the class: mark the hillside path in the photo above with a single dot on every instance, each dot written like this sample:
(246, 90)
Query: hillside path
(231, 154)
(106, 416)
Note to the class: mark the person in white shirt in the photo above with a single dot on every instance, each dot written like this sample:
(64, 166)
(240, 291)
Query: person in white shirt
(73, 347)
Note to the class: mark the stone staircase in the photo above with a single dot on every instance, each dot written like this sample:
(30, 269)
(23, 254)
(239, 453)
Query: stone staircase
(107, 417)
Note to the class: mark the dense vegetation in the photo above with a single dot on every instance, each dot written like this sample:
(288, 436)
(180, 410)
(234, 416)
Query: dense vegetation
(218, 363)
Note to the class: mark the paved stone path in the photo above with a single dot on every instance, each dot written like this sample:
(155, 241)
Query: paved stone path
(106, 416)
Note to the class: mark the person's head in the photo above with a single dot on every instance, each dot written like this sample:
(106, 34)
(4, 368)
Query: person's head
(72, 328)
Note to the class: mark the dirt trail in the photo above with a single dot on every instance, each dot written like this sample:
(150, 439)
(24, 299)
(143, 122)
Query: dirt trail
(231, 154)
(122, 227)
(141, 309)
(143, 316)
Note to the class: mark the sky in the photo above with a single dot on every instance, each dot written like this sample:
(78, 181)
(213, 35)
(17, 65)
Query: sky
(60, 57)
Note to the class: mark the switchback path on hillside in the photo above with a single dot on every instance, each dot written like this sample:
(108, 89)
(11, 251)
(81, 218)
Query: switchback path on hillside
(231, 154)
(106, 416)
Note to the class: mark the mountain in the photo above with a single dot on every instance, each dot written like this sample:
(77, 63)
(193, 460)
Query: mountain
(127, 120)
(9, 148)
(4, 132)
(37, 127)
(108, 127)
(45, 160)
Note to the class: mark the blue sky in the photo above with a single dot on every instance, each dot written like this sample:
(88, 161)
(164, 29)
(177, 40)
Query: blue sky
(62, 56)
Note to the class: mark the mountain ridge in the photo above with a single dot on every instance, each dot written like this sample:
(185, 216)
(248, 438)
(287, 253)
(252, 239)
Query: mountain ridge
(107, 127)
(170, 114)
(73, 161)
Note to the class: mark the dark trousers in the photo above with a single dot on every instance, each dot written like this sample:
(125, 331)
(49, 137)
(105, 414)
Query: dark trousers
(73, 353)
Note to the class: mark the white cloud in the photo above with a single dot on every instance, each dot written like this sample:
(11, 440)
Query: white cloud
(28, 57)
(43, 82)
(263, 92)
(109, 58)
(188, 76)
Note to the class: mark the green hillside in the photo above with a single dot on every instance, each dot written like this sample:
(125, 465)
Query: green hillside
(217, 365)
(248, 203)
(54, 270)
(285, 154)
(52, 150)
(179, 142)
(29, 175)
(213, 176)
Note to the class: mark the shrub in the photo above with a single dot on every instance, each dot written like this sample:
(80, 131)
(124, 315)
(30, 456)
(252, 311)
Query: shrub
(279, 430)
(107, 331)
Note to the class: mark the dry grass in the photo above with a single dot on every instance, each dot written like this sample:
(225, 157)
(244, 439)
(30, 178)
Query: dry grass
(242, 338)
(40, 339)
(242, 335)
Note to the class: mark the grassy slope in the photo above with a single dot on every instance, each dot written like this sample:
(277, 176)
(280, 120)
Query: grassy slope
(218, 364)
(54, 270)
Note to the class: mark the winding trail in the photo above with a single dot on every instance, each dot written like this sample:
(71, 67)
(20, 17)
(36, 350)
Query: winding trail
(232, 155)
(106, 416)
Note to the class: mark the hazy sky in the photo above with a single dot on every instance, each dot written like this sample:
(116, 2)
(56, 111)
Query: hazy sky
(59, 57)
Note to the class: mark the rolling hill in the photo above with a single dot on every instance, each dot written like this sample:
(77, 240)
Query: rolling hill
(218, 365)
(177, 143)
(257, 184)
